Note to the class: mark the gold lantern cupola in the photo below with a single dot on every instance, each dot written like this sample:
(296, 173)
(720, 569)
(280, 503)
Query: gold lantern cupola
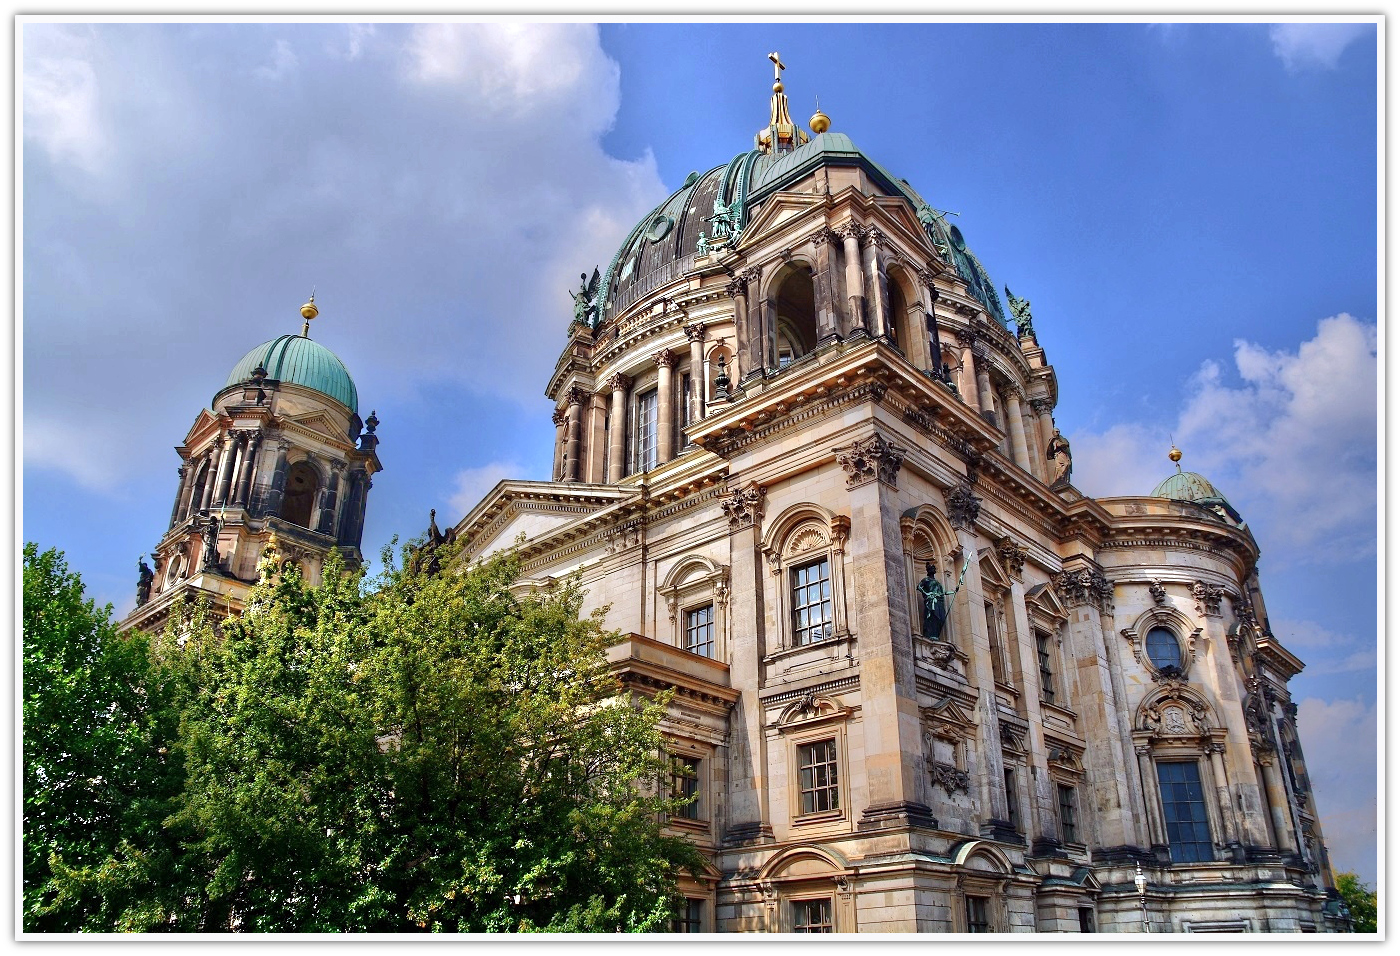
(781, 135)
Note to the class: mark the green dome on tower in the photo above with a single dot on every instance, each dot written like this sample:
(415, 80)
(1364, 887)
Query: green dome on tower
(1189, 486)
(297, 359)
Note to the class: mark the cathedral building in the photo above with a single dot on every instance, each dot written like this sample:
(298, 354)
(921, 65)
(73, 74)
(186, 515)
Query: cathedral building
(921, 682)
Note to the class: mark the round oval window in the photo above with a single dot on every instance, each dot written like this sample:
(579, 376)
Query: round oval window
(659, 227)
(1163, 649)
(955, 234)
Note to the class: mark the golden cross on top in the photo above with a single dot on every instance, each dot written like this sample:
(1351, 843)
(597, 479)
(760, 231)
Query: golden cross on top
(778, 66)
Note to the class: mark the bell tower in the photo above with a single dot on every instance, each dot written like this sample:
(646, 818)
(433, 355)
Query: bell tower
(281, 459)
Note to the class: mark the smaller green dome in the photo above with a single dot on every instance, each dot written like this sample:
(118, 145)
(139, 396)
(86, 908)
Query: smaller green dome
(297, 359)
(1189, 486)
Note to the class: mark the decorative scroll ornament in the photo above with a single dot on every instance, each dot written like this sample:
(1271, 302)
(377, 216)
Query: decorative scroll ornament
(870, 458)
(1158, 590)
(1013, 557)
(950, 778)
(963, 506)
(744, 506)
(1208, 598)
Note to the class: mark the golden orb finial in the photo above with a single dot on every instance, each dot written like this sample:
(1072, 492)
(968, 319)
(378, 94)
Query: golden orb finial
(820, 122)
(1175, 455)
(309, 312)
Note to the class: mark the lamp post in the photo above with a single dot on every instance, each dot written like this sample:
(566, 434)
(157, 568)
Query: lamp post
(1140, 881)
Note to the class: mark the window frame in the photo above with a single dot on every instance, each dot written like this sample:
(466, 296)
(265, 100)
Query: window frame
(802, 901)
(1180, 662)
(1047, 666)
(641, 461)
(828, 757)
(686, 918)
(975, 901)
(1205, 814)
(711, 625)
(689, 784)
(804, 731)
(828, 625)
(1013, 794)
(1069, 831)
(693, 582)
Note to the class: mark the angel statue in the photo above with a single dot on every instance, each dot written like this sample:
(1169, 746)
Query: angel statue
(583, 298)
(1020, 315)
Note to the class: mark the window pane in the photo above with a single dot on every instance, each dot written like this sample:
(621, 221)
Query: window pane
(1184, 811)
(700, 630)
(1163, 649)
(811, 602)
(1047, 673)
(685, 785)
(977, 915)
(811, 916)
(1069, 829)
(818, 782)
(1013, 809)
(646, 431)
(688, 920)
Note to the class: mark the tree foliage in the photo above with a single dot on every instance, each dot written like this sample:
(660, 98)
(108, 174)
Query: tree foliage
(436, 752)
(1360, 899)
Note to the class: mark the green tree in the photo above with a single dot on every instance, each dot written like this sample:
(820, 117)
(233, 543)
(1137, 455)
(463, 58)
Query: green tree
(1360, 899)
(98, 774)
(433, 753)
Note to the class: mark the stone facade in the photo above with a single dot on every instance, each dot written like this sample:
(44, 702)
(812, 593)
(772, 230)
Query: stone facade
(760, 447)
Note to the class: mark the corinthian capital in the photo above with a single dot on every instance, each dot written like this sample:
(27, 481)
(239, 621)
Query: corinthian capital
(966, 337)
(695, 332)
(619, 383)
(850, 229)
(560, 416)
(664, 359)
(870, 458)
(577, 395)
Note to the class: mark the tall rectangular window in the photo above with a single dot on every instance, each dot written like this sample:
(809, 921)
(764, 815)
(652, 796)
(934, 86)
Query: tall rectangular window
(1013, 800)
(686, 411)
(812, 916)
(685, 785)
(977, 921)
(688, 919)
(1184, 808)
(1069, 815)
(646, 432)
(1086, 919)
(818, 779)
(811, 602)
(1047, 672)
(700, 630)
(607, 446)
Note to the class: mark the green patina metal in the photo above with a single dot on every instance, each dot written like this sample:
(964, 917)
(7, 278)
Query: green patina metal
(1189, 486)
(300, 361)
(1020, 314)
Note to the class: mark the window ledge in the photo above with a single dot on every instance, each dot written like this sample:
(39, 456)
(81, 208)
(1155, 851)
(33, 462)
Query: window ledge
(685, 823)
(825, 816)
(789, 650)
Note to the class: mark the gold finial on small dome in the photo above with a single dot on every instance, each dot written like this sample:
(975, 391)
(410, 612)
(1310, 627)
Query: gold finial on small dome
(781, 135)
(820, 122)
(1175, 455)
(309, 312)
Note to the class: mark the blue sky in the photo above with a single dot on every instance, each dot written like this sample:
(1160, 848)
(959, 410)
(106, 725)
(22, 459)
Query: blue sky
(1191, 209)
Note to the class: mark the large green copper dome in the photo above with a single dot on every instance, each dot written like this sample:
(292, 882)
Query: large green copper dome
(1189, 486)
(297, 359)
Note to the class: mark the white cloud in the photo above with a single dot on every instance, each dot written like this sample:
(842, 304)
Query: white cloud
(1320, 45)
(472, 484)
(1327, 651)
(1298, 422)
(284, 61)
(61, 95)
(92, 456)
(1339, 745)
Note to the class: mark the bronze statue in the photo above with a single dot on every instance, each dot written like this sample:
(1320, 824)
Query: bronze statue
(211, 543)
(935, 607)
(144, 581)
(1020, 315)
(1058, 452)
(583, 298)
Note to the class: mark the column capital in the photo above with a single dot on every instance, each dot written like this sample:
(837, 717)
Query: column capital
(874, 237)
(619, 382)
(577, 395)
(1013, 391)
(1085, 587)
(1208, 597)
(869, 459)
(664, 359)
(736, 287)
(966, 336)
(695, 332)
(926, 277)
(744, 506)
(752, 274)
(1041, 406)
(850, 229)
(823, 235)
(963, 506)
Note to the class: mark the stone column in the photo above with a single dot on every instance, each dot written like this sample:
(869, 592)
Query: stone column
(1277, 795)
(325, 503)
(1017, 427)
(358, 528)
(1042, 409)
(934, 359)
(596, 444)
(827, 330)
(245, 477)
(1156, 829)
(226, 468)
(880, 319)
(967, 380)
(211, 478)
(185, 473)
(617, 427)
(571, 459)
(1040, 827)
(665, 406)
(1222, 794)
(738, 291)
(747, 817)
(986, 766)
(984, 389)
(756, 334)
(279, 481)
(696, 334)
(894, 765)
(850, 233)
(560, 419)
(345, 526)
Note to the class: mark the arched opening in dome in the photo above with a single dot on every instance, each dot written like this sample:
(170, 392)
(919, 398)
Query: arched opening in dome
(300, 496)
(197, 494)
(900, 330)
(794, 311)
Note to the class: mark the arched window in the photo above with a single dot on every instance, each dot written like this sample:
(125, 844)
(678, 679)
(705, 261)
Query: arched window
(197, 495)
(300, 496)
(899, 310)
(794, 314)
(1163, 649)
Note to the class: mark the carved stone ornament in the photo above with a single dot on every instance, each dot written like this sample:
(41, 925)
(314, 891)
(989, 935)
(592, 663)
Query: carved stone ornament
(1084, 586)
(963, 506)
(1042, 406)
(1208, 597)
(695, 332)
(1013, 557)
(744, 506)
(950, 778)
(578, 395)
(736, 287)
(870, 458)
(1244, 612)
(751, 275)
(926, 278)
(938, 653)
(619, 383)
(1012, 739)
(622, 537)
(664, 359)
(560, 416)
(1158, 590)
(850, 229)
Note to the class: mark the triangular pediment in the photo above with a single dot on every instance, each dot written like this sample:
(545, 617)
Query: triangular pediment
(948, 710)
(898, 210)
(992, 571)
(204, 423)
(320, 423)
(1043, 599)
(535, 509)
(777, 211)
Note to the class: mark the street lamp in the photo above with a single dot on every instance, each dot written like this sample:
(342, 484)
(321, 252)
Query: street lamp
(1140, 881)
